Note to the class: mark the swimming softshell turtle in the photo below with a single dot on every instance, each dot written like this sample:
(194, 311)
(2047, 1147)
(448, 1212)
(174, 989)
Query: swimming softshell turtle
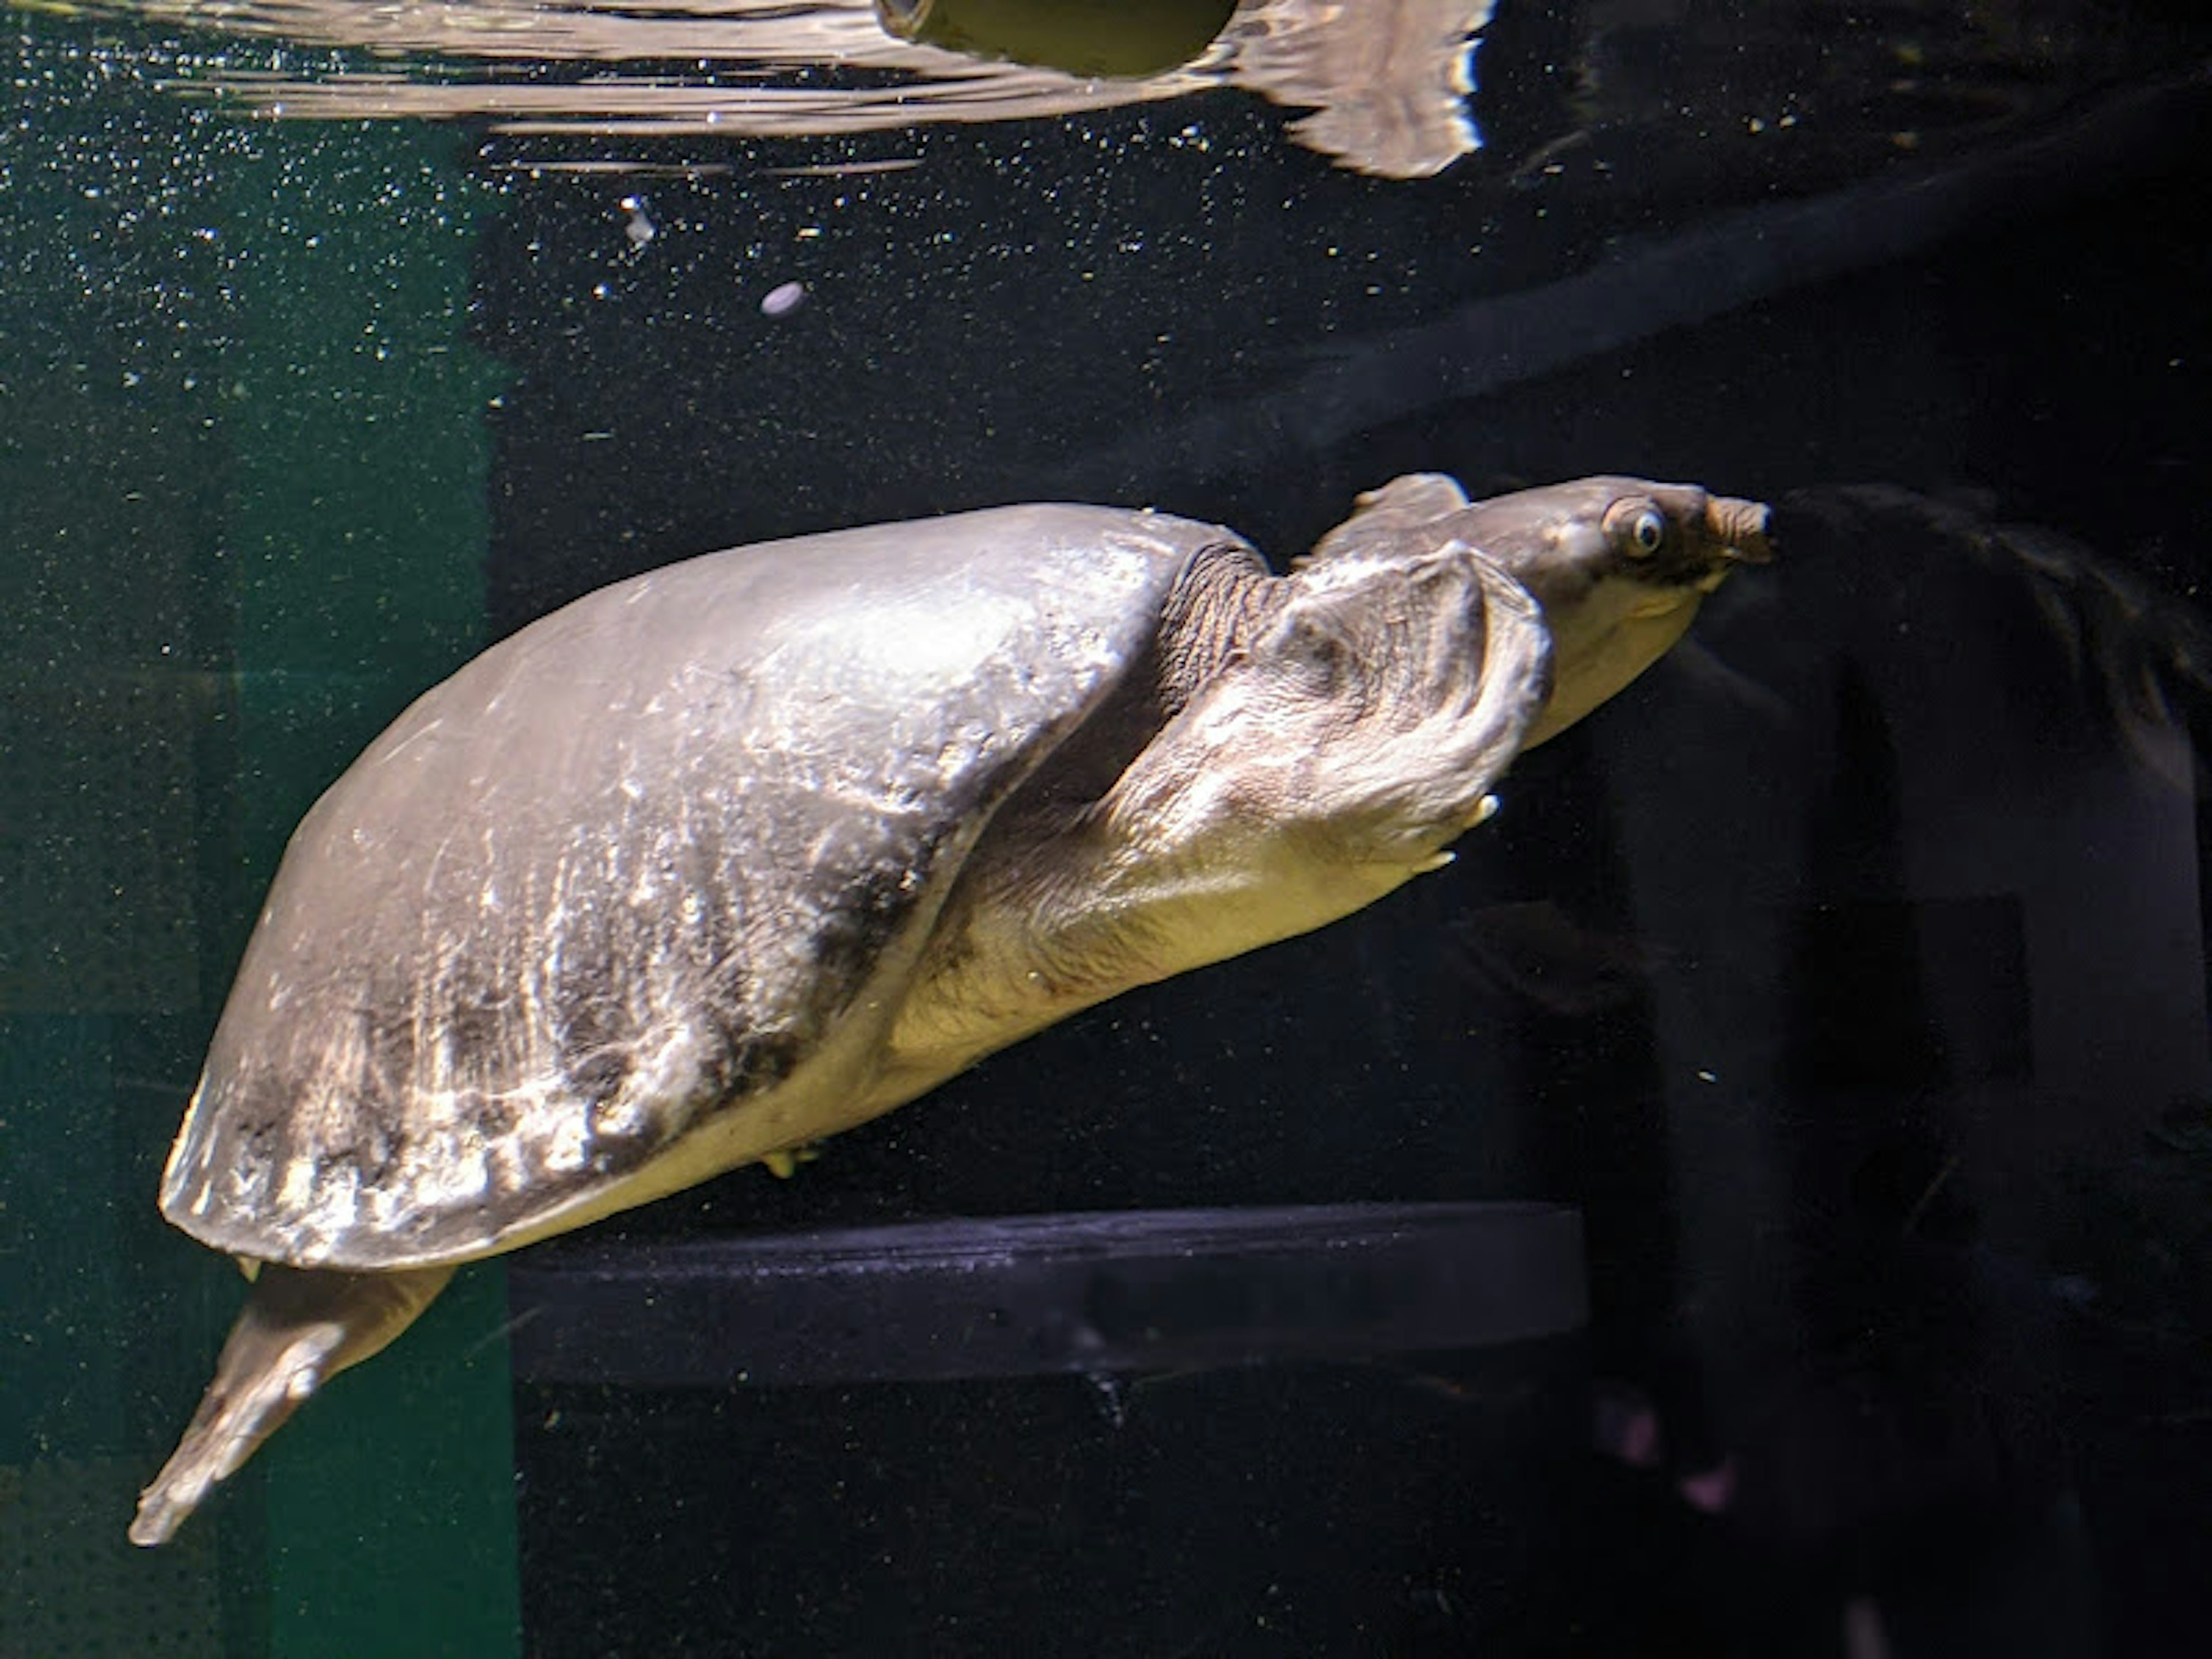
(740, 852)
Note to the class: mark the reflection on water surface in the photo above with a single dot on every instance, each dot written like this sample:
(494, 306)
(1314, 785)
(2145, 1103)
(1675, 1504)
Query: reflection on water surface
(1383, 84)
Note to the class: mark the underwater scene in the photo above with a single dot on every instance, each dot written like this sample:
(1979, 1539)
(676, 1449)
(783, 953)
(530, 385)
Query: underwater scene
(1187, 830)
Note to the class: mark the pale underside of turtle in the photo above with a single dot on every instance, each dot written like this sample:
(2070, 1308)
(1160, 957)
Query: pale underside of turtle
(738, 854)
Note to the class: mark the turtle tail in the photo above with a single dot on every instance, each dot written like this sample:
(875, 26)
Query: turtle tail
(299, 1327)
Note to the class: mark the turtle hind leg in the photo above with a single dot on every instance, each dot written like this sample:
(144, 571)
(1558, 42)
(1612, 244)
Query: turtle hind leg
(299, 1327)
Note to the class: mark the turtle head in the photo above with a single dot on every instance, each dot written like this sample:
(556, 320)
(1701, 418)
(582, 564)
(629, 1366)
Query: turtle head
(1619, 566)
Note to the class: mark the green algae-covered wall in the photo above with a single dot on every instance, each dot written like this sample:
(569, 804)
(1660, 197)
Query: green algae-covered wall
(242, 522)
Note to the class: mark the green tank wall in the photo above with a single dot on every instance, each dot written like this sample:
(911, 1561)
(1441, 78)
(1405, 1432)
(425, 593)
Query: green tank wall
(244, 523)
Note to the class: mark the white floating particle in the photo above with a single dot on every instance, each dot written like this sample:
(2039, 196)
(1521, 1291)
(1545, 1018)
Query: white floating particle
(783, 299)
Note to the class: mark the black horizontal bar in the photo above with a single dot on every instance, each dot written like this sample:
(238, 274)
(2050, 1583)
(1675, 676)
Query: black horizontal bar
(1033, 1295)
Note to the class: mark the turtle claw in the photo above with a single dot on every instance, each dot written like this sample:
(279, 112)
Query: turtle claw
(784, 1162)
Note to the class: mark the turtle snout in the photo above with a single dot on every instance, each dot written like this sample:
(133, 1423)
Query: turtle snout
(1741, 527)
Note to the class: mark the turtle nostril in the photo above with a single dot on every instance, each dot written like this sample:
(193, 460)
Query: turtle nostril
(1743, 525)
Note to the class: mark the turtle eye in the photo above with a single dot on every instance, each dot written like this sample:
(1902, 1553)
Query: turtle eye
(1647, 533)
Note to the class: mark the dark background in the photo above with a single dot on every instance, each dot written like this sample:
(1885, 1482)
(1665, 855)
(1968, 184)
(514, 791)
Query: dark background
(1915, 1302)
(1848, 973)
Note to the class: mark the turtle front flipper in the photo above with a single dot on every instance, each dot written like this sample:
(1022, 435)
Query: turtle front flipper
(1332, 758)
(1341, 728)
(299, 1327)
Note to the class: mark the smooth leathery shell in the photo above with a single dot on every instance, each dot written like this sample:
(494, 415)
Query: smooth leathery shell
(635, 866)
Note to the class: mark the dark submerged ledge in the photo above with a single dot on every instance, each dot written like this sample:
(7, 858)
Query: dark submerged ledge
(1021, 1296)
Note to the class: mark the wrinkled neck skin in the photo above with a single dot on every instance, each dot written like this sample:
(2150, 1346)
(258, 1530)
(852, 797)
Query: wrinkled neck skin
(1606, 626)
(1225, 598)
(1024, 938)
